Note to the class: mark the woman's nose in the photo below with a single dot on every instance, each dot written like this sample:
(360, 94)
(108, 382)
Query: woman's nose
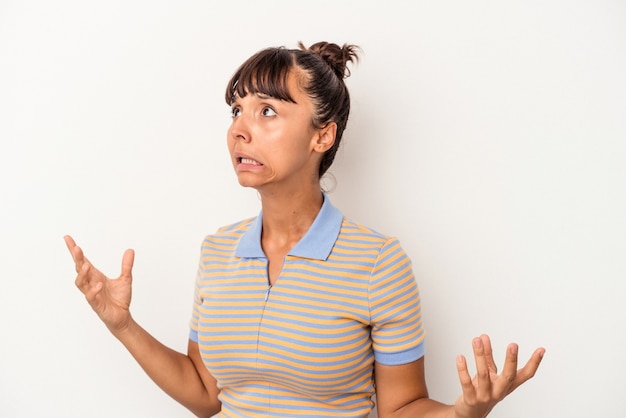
(240, 128)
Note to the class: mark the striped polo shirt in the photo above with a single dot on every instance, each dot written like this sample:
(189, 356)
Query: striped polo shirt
(306, 346)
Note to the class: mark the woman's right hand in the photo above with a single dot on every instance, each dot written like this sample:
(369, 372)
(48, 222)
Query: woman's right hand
(109, 298)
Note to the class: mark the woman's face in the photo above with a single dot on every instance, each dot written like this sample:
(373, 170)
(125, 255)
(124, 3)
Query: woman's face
(273, 143)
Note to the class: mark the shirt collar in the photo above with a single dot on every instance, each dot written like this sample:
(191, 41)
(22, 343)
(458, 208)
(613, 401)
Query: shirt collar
(316, 243)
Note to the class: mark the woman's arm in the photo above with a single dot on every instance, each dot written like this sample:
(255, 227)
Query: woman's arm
(401, 390)
(183, 377)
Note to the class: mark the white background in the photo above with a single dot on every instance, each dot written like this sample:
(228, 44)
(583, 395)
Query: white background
(489, 137)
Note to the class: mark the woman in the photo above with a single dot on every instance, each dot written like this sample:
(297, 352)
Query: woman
(298, 311)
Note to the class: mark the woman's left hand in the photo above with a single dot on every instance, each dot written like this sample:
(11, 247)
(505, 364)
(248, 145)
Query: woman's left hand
(487, 388)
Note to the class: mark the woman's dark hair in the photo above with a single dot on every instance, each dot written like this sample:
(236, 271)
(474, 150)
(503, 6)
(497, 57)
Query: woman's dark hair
(323, 66)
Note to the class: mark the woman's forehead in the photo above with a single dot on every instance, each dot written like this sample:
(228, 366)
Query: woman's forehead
(285, 86)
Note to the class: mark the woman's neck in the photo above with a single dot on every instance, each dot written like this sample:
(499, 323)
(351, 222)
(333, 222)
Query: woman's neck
(288, 216)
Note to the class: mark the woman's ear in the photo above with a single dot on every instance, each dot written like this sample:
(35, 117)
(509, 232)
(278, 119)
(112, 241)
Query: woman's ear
(325, 137)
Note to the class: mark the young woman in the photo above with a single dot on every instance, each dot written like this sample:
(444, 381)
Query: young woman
(297, 311)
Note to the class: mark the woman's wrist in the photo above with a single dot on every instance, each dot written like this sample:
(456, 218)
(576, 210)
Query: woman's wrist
(126, 331)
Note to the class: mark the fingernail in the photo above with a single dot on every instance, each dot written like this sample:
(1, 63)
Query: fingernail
(478, 342)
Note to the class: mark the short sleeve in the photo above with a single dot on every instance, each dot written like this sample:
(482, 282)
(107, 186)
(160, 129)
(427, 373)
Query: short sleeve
(195, 312)
(395, 308)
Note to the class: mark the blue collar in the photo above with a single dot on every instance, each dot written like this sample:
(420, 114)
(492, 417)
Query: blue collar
(316, 243)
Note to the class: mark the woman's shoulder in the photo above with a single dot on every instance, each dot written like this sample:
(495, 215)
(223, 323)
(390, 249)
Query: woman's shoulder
(240, 226)
(354, 229)
(232, 230)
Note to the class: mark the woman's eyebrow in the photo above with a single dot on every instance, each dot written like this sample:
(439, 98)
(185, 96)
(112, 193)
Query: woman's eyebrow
(259, 95)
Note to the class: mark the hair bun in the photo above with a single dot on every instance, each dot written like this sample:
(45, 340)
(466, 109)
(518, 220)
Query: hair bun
(334, 55)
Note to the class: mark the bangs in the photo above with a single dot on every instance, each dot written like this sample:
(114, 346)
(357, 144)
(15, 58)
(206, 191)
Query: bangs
(264, 73)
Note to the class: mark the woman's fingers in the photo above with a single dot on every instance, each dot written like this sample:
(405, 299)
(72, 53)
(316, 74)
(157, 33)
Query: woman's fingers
(529, 369)
(89, 280)
(75, 252)
(69, 242)
(509, 372)
(109, 298)
(91, 292)
(467, 385)
(487, 388)
(86, 280)
(483, 375)
(491, 364)
(128, 260)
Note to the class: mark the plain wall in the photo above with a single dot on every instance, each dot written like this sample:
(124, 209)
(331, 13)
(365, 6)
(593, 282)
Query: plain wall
(489, 137)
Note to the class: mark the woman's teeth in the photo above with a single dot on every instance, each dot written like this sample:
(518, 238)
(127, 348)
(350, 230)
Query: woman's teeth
(249, 161)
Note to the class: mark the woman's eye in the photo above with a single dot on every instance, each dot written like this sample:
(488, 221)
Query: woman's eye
(235, 111)
(268, 111)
